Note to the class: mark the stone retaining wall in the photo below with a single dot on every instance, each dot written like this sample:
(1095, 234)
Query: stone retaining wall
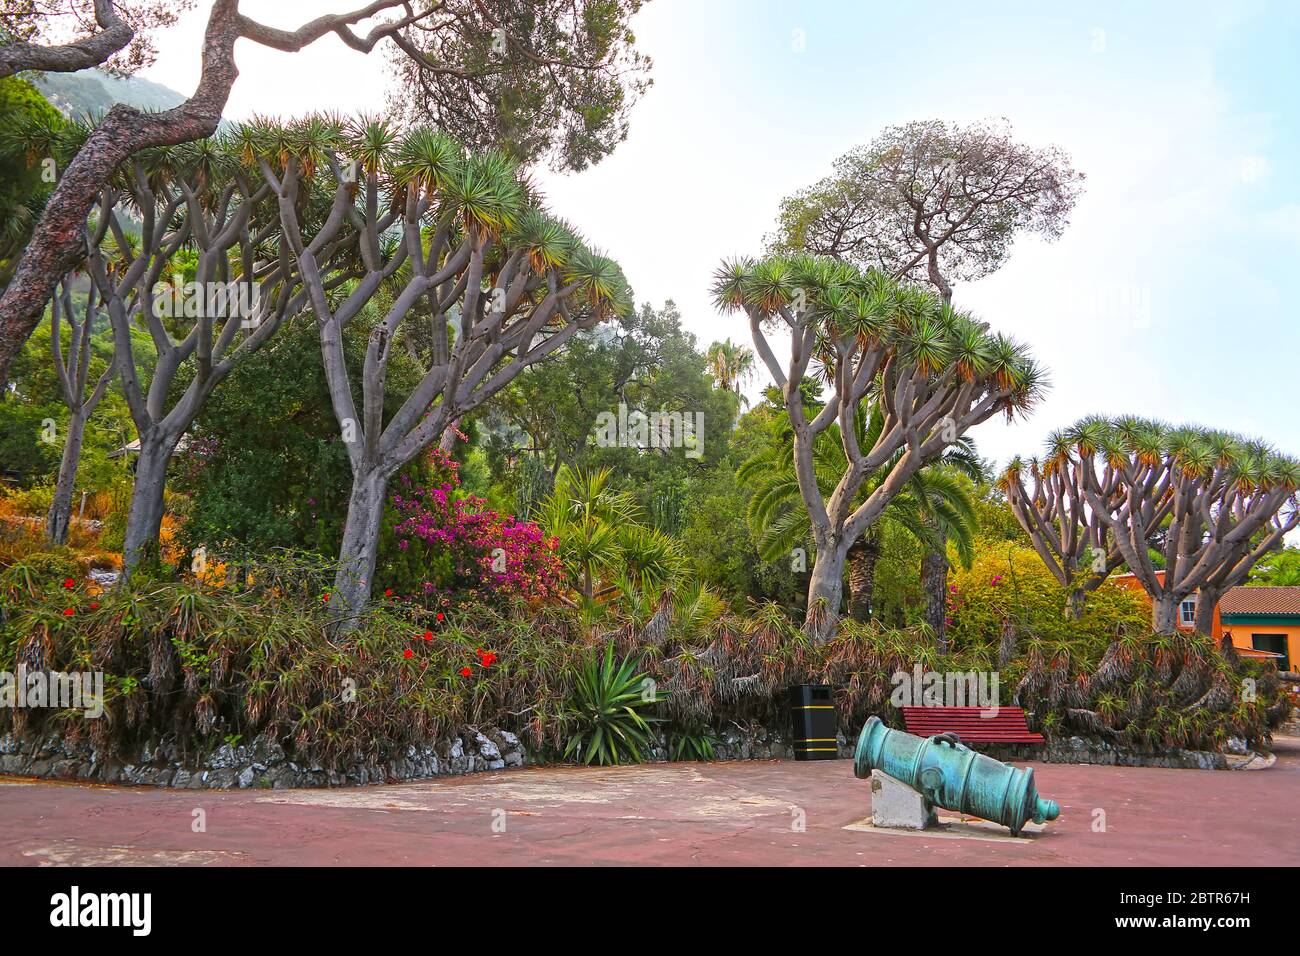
(1078, 750)
(265, 764)
(262, 763)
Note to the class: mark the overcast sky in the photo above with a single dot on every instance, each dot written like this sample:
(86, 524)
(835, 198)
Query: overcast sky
(1167, 294)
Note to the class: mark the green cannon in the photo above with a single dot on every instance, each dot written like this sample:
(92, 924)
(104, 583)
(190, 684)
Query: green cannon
(951, 775)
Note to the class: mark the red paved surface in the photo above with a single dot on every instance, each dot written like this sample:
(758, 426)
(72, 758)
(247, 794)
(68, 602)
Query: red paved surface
(724, 813)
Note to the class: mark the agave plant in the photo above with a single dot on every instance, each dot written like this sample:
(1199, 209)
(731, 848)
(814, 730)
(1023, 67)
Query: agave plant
(605, 711)
(696, 741)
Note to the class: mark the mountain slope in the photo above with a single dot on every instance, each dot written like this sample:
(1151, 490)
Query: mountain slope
(94, 92)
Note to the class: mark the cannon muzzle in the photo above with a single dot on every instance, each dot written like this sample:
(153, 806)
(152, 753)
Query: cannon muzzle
(951, 775)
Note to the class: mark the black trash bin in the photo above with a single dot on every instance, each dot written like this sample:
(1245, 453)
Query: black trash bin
(812, 714)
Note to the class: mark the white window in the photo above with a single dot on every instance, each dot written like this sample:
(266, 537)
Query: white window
(1187, 612)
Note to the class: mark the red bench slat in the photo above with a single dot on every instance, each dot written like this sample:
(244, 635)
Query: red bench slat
(1008, 726)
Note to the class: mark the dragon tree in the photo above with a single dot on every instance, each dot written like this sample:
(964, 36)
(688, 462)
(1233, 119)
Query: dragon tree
(183, 243)
(551, 79)
(933, 372)
(1190, 510)
(460, 243)
(937, 203)
(73, 375)
(1073, 540)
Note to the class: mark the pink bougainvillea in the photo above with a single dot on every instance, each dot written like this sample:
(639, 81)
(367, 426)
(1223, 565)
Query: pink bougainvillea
(468, 546)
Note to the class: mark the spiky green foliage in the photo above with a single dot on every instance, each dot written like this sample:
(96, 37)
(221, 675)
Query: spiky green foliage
(549, 241)
(696, 742)
(599, 281)
(872, 311)
(1151, 694)
(194, 662)
(485, 189)
(603, 535)
(604, 711)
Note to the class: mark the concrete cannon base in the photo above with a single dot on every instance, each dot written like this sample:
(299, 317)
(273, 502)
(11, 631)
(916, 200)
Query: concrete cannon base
(895, 804)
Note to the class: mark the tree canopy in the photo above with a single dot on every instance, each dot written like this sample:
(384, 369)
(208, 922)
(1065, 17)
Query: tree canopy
(931, 201)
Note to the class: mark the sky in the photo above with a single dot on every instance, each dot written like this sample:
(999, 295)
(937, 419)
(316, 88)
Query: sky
(1166, 295)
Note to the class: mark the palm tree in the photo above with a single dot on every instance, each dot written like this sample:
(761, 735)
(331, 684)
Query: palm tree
(603, 537)
(730, 364)
(950, 516)
(933, 505)
(1282, 569)
(25, 140)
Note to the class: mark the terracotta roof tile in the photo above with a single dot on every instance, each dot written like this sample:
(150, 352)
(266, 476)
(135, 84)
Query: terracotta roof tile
(1250, 600)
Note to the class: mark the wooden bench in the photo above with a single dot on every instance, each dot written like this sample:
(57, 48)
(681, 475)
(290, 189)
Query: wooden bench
(971, 724)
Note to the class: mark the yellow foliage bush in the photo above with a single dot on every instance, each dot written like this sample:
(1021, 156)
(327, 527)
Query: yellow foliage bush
(1007, 584)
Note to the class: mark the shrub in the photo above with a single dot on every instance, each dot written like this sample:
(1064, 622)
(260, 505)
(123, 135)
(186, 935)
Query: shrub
(196, 662)
(693, 742)
(1150, 692)
(33, 501)
(605, 711)
(443, 542)
(1008, 586)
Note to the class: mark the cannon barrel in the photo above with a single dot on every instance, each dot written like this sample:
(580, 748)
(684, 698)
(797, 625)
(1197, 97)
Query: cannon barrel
(950, 775)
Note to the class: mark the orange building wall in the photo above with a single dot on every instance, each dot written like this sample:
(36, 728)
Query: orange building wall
(1239, 634)
(1241, 637)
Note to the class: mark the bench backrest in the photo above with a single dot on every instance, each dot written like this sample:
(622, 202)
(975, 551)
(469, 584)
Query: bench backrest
(972, 724)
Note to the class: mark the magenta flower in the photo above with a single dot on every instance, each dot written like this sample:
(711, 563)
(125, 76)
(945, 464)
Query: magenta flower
(491, 554)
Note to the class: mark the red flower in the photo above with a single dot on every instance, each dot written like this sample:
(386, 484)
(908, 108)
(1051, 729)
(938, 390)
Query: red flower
(440, 615)
(67, 612)
(465, 672)
(94, 606)
(428, 635)
(408, 653)
(388, 592)
(326, 598)
(68, 582)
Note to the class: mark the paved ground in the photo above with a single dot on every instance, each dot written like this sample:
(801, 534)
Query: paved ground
(724, 813)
